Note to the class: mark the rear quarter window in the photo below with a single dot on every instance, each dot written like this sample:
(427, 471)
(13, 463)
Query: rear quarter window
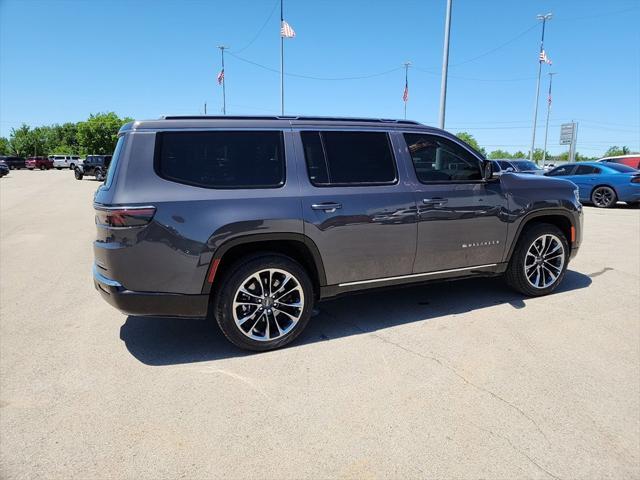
(222, 159)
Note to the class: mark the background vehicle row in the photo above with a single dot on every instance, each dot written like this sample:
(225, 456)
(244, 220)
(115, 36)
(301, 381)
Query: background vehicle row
(602, 183)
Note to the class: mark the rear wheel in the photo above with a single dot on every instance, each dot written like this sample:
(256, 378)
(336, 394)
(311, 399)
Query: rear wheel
(539, 261)
(264, 302)
(604, 197)
(99, 175)
(42, 167)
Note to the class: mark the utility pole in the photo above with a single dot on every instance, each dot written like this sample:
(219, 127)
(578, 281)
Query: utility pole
(405, 95)
(445, 63)
(546, 127)
(544, 19)
(205, 108)
(224, 81)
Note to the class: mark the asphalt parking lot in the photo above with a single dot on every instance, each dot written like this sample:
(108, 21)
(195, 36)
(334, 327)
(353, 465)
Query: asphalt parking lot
(456, 380)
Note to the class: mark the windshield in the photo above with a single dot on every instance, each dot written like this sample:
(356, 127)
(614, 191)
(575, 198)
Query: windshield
(619, 167)
(525, 165)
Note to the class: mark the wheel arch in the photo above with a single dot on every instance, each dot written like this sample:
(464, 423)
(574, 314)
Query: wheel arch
(559, 218)
(296, 246)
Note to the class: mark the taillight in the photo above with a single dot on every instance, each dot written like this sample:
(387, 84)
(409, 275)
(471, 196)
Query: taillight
(635, 179)
(124, 216)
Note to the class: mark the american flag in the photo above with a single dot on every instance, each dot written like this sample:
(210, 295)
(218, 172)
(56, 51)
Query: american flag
(286, 31)
(405, 94)
(220, 77)
(543, 58)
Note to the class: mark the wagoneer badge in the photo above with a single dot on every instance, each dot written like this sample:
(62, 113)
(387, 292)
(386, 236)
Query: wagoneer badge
(481, 244)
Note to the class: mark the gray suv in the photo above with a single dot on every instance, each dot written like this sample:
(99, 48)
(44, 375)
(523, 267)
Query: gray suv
(255, 219)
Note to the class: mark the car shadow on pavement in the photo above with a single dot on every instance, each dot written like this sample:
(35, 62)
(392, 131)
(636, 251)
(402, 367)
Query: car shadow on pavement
(161, 341)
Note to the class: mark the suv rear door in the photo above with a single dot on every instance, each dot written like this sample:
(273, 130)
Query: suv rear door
(461, 218)
(357, 207)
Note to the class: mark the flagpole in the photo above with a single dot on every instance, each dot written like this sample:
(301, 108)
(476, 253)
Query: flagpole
(445, 63)
(224, 81)
(544, 19)
(546, 127)
(281, 59)
(406, 86)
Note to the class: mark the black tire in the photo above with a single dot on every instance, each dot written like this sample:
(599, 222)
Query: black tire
(78, 174)
(99, 175)
(42, 167)
(228, 288)
(72, 167)
(515, 275)
(58, 168)
(604, 196)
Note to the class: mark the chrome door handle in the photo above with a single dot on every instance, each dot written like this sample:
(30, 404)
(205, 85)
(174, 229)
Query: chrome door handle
(434, 201)
(328, 207)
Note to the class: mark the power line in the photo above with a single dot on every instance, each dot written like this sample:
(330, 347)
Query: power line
(275, 5)
(489, 52)
(311, 77)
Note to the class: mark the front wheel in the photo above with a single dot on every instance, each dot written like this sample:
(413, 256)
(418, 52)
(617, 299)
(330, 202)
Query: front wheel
(42, 167)
(263, 302)
(604, 197)
(99, 175)
(78, 174)
(539, 261)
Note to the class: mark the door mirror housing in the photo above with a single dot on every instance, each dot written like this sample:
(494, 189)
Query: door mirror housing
(488, 172)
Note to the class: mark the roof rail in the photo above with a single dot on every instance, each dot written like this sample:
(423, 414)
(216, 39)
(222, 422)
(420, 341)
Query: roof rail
(287, 117)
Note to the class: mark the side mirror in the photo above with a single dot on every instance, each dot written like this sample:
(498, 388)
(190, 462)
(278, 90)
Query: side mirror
(510, 170)
(487, 171)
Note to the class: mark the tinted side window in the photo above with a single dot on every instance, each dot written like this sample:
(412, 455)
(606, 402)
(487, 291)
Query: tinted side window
(219, 159)
(438, 159)
(586, 170)
(350, 158)
(560, 171)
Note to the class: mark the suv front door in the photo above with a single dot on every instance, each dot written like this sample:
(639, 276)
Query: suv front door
(357, 206)
(461, 218)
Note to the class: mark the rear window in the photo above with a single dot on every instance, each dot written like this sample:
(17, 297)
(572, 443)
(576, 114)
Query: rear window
(619, 167)
(348, 158)
(222, 159)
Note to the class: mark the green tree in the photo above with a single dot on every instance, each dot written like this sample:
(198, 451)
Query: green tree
(497, 154)
(538, 154)
(98, 135)
(470, 139)
(5, 148)
(615, 151)
(519, 155)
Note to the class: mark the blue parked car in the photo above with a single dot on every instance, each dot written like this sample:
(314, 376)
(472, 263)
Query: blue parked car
(602, 184)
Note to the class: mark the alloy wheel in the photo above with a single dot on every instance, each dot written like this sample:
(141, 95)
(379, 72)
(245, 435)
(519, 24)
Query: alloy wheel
(268, 304)
(603, 197)
(544, 261)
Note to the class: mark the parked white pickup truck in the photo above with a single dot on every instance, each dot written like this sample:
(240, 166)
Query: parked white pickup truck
(65, 161)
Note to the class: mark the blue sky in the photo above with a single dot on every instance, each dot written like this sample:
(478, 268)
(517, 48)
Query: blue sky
(61, 60)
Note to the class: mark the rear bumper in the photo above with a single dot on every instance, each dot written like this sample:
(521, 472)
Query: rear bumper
(149, 303)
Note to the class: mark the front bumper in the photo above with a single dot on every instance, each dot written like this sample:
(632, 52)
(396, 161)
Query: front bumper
(149, 303)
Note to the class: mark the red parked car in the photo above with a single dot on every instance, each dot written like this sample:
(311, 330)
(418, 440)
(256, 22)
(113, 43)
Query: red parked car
(43, 163)
(632, 160)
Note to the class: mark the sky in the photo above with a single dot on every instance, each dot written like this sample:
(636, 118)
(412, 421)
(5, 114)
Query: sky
(61, 60)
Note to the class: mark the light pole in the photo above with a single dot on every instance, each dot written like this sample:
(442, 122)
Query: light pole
(224, 81)
(445, 63)
(546, 127)
(544, 19)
